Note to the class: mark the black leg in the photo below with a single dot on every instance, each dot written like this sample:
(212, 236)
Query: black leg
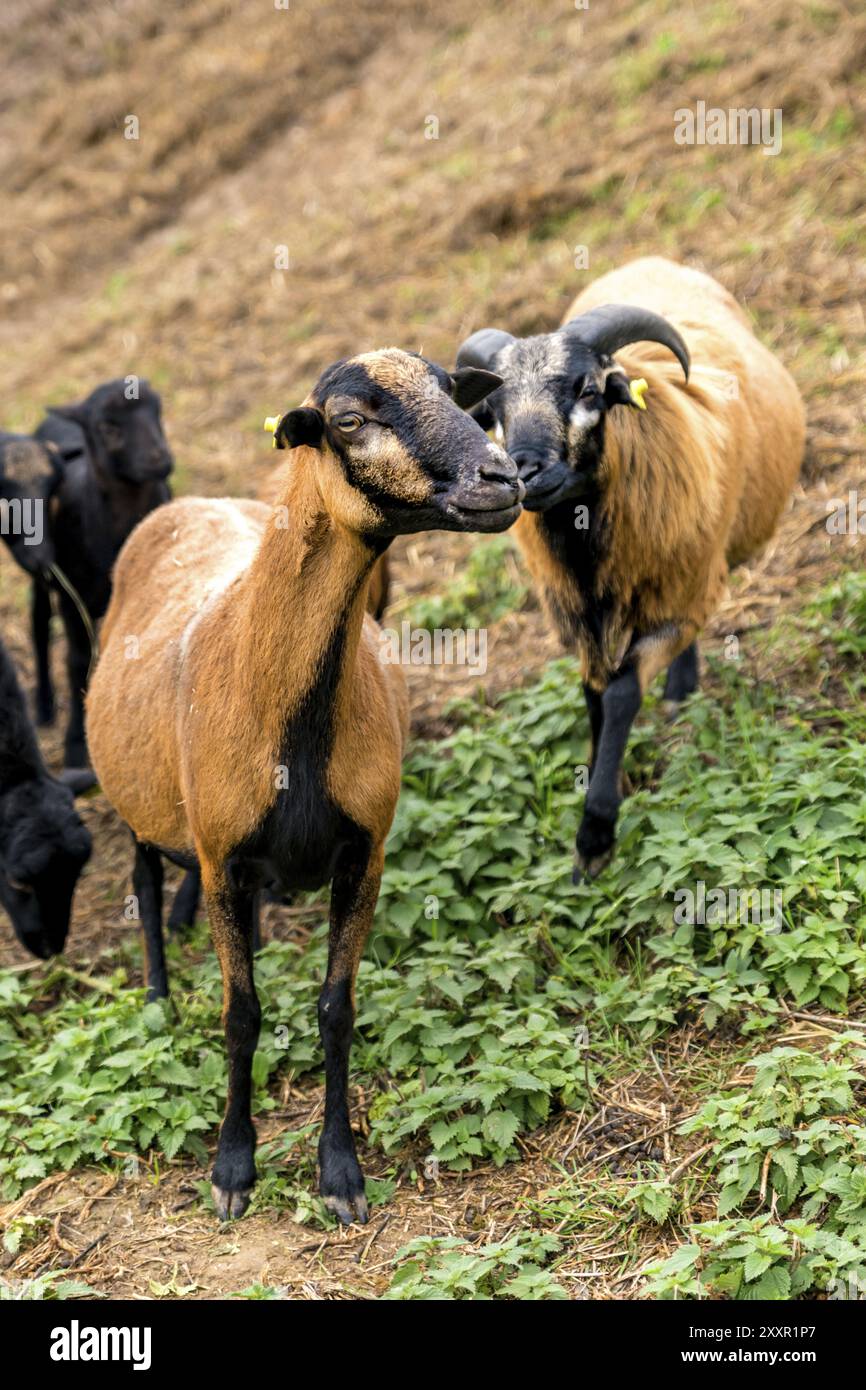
(594, 710)
(186, 900)
(40, 621)
(682, 677)
(620, 704)
(353, 900)
(147, 886)
(258, 899)
(78, 654)
(230, 909)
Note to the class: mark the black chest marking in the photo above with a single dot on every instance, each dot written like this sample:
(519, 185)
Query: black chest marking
(302, 836)
(579, 551)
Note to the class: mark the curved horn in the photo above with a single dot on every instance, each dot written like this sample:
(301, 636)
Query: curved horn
(613, 326)
(481, 348)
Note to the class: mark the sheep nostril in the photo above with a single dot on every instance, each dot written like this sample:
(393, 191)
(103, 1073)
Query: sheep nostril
(498, 468)
(528, 464)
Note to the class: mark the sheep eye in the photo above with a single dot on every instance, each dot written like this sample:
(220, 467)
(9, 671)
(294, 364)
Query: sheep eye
(347, 424)
(18, 885)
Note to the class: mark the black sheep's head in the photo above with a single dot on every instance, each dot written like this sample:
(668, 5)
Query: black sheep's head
(556, 390)
(122, 424)
(43, 848)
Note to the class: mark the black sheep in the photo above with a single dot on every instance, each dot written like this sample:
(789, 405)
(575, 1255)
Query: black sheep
(115, 463)
(43, 844)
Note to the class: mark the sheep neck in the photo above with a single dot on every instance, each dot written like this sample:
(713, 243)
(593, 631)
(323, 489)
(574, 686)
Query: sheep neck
(301, 611)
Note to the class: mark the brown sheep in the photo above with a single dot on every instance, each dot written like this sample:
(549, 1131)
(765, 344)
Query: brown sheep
(186, 902)
(241, 716)
(634, 516)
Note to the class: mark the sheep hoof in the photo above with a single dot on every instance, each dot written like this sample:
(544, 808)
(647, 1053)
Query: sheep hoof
(594, 845)
(341, 1184)
(588, 869)
(230, 1205)
(347, 1211)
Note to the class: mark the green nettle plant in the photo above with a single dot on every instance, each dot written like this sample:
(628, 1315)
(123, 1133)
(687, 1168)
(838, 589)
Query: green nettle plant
(447, 1268)
(55, 1286)
(788, 1142)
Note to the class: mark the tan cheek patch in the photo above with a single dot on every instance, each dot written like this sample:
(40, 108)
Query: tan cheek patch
(344, 501)
(383, 461)
(387, 465)
(581, 420)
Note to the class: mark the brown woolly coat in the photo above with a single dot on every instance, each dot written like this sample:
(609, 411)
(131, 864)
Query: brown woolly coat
(218, 623)
(691, 486)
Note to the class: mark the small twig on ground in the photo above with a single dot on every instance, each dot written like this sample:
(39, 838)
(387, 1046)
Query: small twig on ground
(664, 1080)
(375, 1236)
(828, 1019)
(687, 1162)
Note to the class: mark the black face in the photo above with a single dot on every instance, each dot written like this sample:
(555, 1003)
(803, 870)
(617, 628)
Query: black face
(549, 413)
(29, 474)
(416, 461)
(43, 848)
(124, 433)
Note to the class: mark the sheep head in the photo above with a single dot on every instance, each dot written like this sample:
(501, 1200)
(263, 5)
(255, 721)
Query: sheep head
(556, 390)
(29, 474)
(43, 848)
(121, 425)
(394, 451)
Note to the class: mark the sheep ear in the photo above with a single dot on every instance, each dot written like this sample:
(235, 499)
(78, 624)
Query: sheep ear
(471, 385)
(617, 389)
(76, 413)
(302, 426)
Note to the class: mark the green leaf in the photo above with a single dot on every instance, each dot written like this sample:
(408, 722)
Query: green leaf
(500, 1127)
(755, 1264)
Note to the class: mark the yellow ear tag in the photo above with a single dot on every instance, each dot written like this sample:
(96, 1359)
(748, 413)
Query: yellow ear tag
(272, 425)
(638, 389)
